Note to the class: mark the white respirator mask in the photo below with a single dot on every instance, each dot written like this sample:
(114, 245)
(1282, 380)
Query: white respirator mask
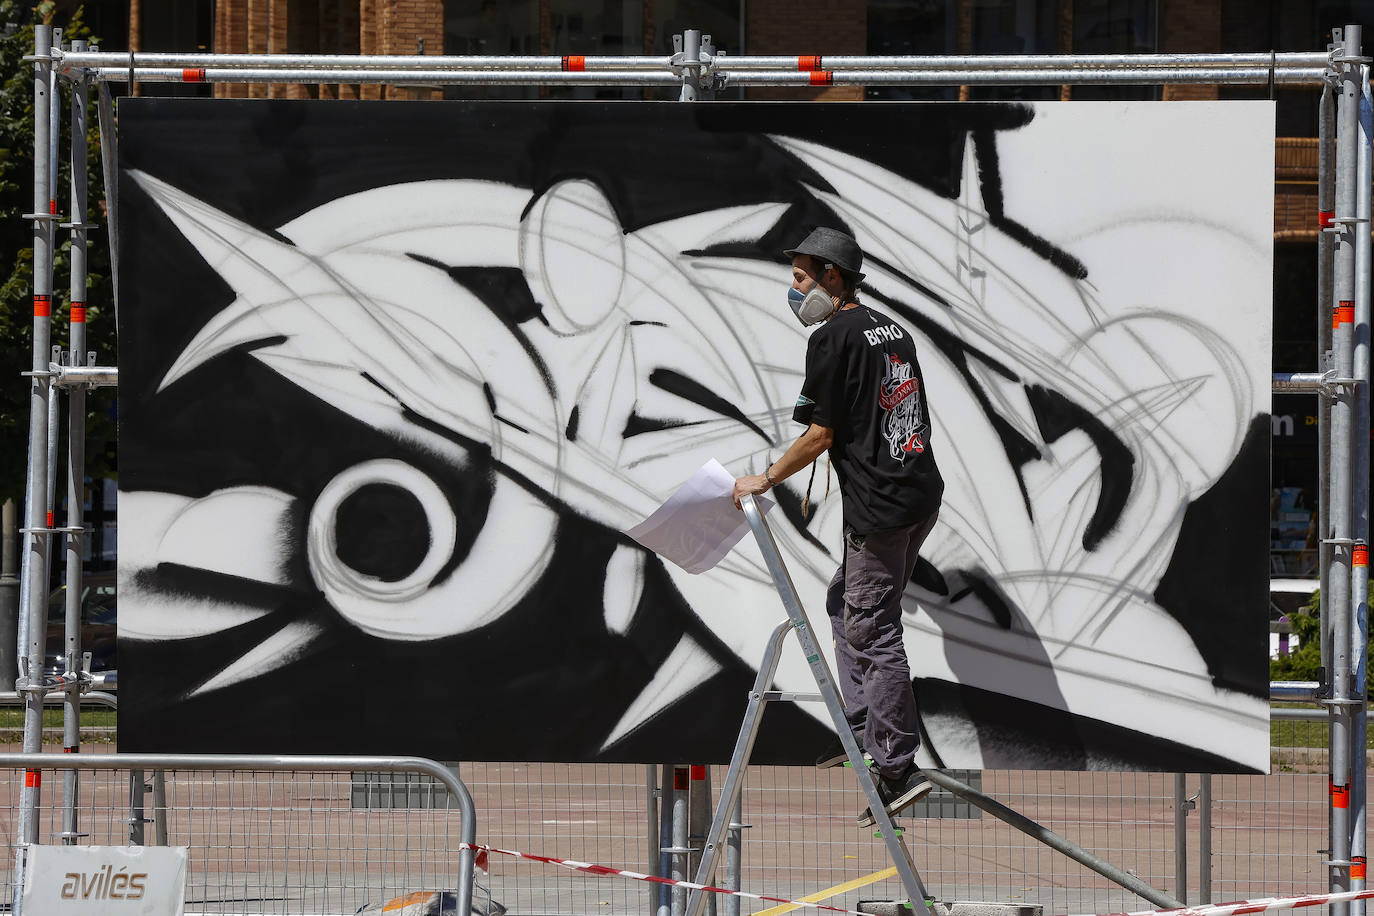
(812, 307)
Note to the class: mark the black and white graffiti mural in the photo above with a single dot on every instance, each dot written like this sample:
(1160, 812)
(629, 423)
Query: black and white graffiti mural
(395, 377)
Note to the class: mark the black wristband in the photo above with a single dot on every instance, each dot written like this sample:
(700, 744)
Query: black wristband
(769, 477)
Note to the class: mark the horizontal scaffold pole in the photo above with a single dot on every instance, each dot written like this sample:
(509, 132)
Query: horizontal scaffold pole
(1231, 76)
(715, 71)
(719, 62)
(1241, 76)
(395, 77)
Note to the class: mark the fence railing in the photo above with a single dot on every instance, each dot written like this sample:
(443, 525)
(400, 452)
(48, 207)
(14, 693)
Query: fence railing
(268, 834)
(313, 835)
(1268, 833)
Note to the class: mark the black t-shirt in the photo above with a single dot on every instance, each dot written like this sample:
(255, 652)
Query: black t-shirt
(863, 381)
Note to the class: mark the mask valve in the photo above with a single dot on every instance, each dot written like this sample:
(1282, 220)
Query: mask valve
(812, 307)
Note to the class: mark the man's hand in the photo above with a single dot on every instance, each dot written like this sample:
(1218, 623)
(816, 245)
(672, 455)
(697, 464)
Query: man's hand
(753, 485)
(809, 446)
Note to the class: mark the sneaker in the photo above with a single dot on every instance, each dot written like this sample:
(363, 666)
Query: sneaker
(897, 793)
(835, 755)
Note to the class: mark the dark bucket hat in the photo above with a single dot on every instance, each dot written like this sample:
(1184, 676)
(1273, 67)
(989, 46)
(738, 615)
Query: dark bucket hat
(834, 247)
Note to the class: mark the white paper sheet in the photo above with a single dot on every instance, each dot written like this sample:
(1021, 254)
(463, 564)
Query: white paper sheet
(699, 523)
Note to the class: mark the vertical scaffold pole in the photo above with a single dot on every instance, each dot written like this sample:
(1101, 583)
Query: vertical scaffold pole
(691, 64)
(681, 841)
(1204, 841)
(138, 790)
(54, 151)
(1339, 542)
(34, 585)
(1181, 835)
(160, 807)
(76, 456)
(734, 858)
(1359, 583)
(1326, 254)
(673, 812)
(651, 793)
(699, 821)
(665, 837)
(50, 496)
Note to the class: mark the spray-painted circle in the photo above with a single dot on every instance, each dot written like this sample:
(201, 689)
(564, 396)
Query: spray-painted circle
(572, 252)
(343, 584)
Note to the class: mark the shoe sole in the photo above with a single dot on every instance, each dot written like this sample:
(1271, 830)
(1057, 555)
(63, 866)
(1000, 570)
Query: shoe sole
(840, 759)
(915, 793)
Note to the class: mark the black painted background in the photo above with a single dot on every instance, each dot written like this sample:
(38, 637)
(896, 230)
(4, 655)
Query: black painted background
(546, 681)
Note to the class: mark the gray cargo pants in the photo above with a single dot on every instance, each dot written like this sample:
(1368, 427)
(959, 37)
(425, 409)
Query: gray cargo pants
(865, 606)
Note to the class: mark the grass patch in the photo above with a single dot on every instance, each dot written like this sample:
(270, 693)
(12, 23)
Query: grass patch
(1303, 733)
(12, 718)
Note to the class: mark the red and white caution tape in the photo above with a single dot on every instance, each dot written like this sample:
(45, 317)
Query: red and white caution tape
(1237, 908)
(1260, 905)
(607, 871)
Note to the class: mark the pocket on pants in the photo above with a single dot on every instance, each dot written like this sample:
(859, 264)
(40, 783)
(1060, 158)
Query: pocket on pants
(867, 596)
(862, 606)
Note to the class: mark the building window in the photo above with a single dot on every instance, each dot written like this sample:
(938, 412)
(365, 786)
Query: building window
(1293, 463)
(587, 28)
(1115, 27)
(1287, 25)
(1014, 26)
(164, 25)
(900, 27)
(912, 27)
(927, 27)
(489, 27)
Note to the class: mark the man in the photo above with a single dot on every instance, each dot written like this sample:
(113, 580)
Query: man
(864, 400)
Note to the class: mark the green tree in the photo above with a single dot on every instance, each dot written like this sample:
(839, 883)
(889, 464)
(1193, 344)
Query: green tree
(17, 21)
(1305, 662)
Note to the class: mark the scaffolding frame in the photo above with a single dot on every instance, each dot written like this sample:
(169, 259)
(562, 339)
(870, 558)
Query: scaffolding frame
(698, 71)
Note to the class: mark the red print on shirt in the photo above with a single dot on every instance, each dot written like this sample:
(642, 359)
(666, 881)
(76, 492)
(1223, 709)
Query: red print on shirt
(903, 426)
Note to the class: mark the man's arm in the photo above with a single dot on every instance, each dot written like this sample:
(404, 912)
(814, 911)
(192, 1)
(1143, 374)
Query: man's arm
(809, 446)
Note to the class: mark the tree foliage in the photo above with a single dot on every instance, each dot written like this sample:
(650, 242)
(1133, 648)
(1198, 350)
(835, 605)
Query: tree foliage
(17, 21)
(1305, 662)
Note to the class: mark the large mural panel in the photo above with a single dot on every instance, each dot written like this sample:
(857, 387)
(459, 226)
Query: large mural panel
(396, 377)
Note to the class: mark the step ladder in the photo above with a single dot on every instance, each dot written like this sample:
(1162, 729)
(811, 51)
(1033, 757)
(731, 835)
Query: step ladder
(761, 695)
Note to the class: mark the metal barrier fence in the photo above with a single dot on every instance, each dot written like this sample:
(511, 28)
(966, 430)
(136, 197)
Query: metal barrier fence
(294, 842)
(267, 835)
(1268, 835)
